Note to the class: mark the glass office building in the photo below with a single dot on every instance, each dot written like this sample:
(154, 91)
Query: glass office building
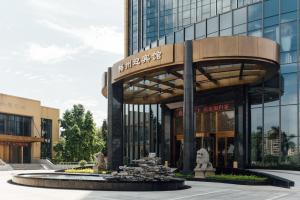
(240, 104)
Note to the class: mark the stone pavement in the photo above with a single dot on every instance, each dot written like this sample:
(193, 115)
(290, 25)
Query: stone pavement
(199, 190)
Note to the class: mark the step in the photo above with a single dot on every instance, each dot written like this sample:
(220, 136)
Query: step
(27, 166)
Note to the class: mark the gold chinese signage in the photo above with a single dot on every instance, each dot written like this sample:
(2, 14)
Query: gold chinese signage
(146, 60)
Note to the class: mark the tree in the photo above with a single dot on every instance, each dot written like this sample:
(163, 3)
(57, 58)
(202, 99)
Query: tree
(103, 136)
(79, 139)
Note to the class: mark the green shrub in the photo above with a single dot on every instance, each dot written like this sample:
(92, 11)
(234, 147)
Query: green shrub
(82, 163)
(230, 177)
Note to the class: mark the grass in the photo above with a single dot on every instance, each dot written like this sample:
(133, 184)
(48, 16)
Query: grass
(86, 171)
(230, 177)
(185, 176)
(225, 177)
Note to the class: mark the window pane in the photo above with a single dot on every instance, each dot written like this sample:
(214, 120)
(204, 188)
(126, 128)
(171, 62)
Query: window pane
(289, 89)
(170, 39)
(288, 5)
(256, 122)
(288, 68)
(288, 36)
(240, 16)
(288, 17)
(189, 33)
(226, 21)
(271, 21)
(255, 25)
(272, 33)
(288, 57)
(271, 121)
(271, 7)
(212, 25)
(257, 33)
(200, 30)
(179, 36)
(226, 32)
(239, 29)
(256, 135)
(254, 12)
(289, 121)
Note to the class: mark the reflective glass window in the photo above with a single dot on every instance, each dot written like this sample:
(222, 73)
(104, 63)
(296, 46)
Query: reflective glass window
(162, 41)
(212, 25)
(257, 33)
(288, 68)
(170, 38)
(240, 16)
(200, 30)
(288, 36)
(271, 21)
(289, 121)
(289, 89)
(271, 121)
(272, 33)
(205, 11)
(288, 5)
(254, 12)
(288, 57)
(271, 91)
(215, 34)
(226, 32)
(256, 135)
(287, 17)
(239, 29)
(254, 25)
(189, 33)
(271, 7)
(226, 21)
(256, 122)
(179, 36)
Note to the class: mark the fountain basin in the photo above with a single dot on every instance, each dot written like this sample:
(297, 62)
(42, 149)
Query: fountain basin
(93, 182)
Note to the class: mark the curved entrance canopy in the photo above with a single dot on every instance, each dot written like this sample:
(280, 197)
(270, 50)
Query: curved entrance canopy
(156, 75)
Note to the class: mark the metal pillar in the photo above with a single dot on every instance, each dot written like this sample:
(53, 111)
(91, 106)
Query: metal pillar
(115, 123)
(188, 110)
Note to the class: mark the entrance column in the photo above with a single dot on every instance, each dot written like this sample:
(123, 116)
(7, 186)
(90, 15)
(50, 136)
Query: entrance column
(115, 123)
(166, 134)
(21, 154)
(188, 109)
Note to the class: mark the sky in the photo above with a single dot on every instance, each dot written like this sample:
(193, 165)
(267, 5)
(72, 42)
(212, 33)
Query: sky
(56, 51)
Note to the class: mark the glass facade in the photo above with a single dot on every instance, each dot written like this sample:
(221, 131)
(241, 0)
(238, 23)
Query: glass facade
(46, 146)
(15, 125)
(142, 130)
(150, 20)
(274, 108)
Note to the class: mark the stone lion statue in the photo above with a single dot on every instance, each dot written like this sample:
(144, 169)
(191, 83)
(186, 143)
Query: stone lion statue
(100, 162)
(202, 160)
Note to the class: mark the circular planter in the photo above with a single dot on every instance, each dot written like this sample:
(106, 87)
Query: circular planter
(93, 182)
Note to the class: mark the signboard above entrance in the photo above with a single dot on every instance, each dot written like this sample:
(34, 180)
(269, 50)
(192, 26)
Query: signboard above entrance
(207, 108)
(143, 61)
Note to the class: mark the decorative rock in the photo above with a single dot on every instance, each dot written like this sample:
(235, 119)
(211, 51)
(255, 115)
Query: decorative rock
(204, 168)
(100, 162)
(148, 169)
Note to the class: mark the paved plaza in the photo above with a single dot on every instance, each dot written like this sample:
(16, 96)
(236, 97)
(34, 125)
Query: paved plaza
(198, 190)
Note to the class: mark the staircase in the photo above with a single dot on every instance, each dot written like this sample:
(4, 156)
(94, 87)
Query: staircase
(4, 166)
(29, 166)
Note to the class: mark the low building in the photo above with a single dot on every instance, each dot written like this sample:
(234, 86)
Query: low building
(28, 130)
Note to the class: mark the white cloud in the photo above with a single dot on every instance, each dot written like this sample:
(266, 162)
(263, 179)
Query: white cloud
(104, 38)
(49, 54)
(53, 7)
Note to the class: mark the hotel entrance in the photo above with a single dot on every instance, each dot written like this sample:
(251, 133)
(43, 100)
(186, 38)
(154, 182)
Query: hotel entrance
(214, 131)
(15, 152)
